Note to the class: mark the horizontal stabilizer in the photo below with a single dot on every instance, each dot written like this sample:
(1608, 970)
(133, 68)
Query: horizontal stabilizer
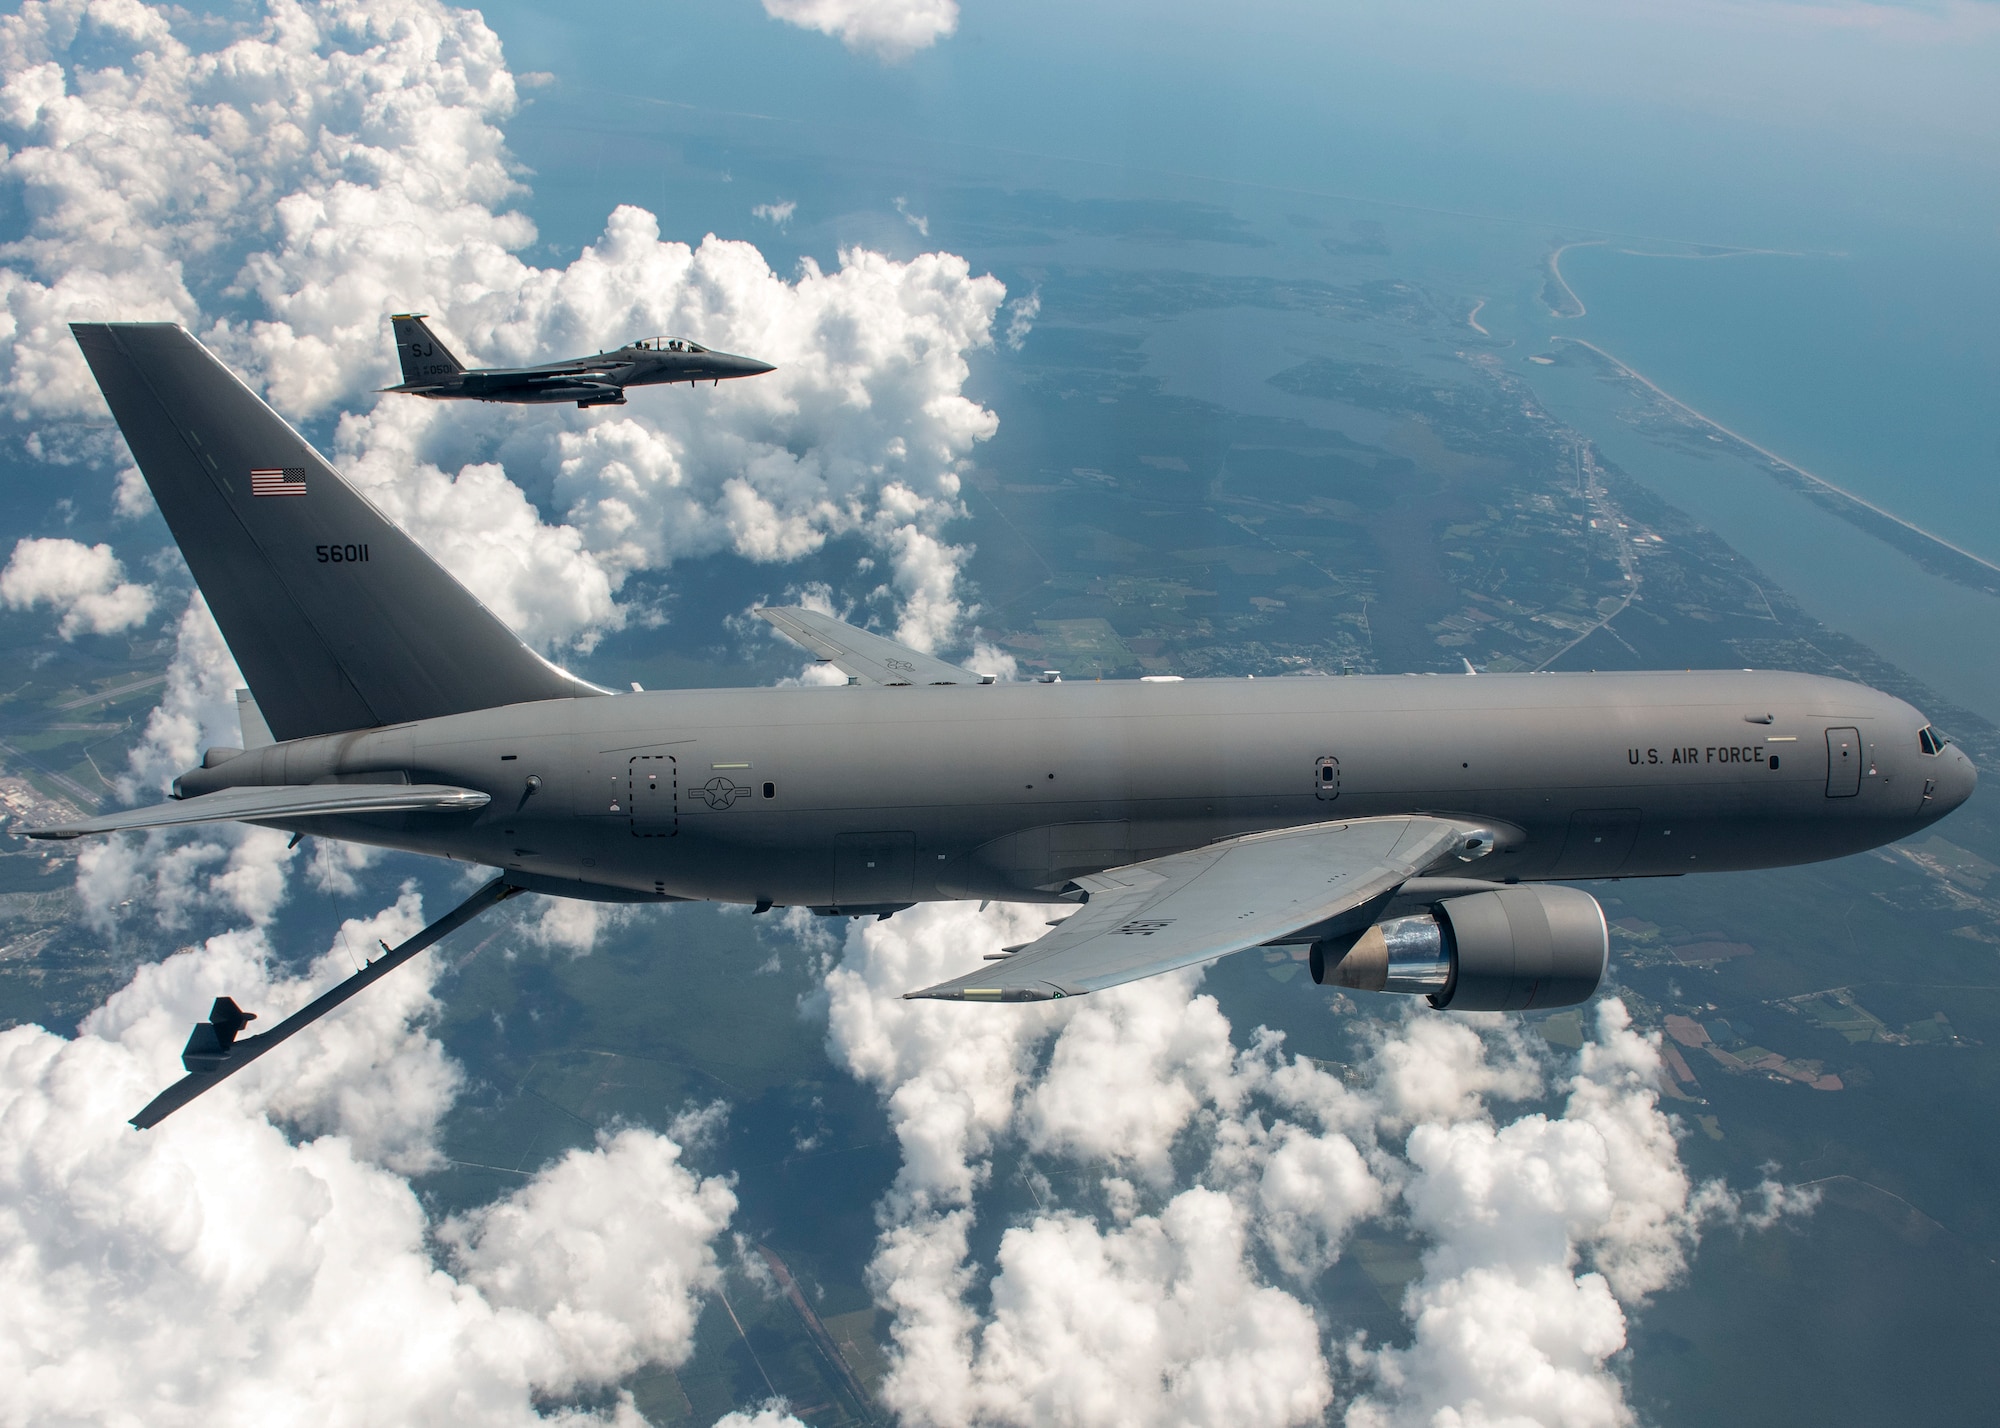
(861, 655)
(282, 801)
(1192, 907)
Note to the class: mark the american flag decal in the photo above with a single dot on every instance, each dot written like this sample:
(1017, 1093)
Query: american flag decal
(269, 481)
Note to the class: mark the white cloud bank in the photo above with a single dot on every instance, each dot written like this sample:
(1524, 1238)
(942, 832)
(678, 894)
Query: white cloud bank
(220, 1270)
(1228, 1178)
(262, 1252)
(85, 584)
(164, 879)
(284, 192)
(891, 30)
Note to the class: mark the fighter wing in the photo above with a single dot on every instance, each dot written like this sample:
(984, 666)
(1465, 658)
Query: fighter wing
(251, 805)
(1170, 912)
(862, 655)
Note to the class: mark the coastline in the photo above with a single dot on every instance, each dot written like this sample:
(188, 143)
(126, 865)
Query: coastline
(1472, 319)
(1557, 295)
(1930, 550)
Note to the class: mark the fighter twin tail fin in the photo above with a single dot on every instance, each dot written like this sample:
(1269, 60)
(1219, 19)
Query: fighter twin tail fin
(426, 361)
(337, 619)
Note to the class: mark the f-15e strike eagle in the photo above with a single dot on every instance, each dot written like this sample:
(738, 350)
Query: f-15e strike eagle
(1412, 831)
(430, 370)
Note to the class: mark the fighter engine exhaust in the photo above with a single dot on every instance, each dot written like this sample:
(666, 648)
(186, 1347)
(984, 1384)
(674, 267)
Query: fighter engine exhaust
(1512, 949)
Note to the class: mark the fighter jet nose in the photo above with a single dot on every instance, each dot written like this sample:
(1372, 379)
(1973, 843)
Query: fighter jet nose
(728, 364)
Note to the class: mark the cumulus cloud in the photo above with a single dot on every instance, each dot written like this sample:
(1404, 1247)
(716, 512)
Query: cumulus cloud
(537, 577)
(164, 877)
(611, 1247)
(574, 924)
(335, 162)
(1434, 1070)
(1163, 1311)
(889, 29)
(1541, 1230)
(1229, 1176)
(148, 165)
(85, 584)
(331, 865)
(1163, 1320)
(1129, 1073)
(260, 1251)
(197, 711)
(950, 1082)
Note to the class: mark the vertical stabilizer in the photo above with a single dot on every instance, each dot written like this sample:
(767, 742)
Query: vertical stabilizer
(426, 361)
(337, 619)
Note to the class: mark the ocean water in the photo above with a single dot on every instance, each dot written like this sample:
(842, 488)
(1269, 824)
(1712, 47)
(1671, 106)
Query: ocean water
(1878, 369)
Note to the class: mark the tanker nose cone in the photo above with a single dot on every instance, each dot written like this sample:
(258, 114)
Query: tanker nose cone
(1957, 777)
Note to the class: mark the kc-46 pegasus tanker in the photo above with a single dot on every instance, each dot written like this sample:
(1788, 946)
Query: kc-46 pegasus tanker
(1414, 831)
(430, 370)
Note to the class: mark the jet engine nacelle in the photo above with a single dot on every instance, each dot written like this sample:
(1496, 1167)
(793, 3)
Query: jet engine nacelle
(1513, 949)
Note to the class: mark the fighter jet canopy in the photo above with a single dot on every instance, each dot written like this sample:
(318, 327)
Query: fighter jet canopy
(667, 344)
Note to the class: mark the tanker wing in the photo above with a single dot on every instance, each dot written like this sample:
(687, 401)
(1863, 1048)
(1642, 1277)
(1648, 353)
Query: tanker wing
(874, 659)
(1191, 907)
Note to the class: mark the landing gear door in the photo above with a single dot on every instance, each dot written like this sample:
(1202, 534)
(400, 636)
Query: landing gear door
(1843, 763)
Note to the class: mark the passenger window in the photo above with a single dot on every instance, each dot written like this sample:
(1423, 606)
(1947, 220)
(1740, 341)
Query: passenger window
(770, 790)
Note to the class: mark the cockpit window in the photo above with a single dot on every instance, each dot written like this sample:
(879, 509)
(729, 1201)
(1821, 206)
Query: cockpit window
(1930, 740)
(669, 344)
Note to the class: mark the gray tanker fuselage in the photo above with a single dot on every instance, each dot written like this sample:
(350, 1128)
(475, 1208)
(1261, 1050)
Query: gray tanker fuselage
(1396, 826)
(864, 798)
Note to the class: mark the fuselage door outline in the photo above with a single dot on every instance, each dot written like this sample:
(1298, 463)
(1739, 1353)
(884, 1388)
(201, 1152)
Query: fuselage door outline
(653, 795)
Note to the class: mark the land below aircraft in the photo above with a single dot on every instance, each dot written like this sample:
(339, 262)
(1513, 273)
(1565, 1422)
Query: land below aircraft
(1414, 832)
(430, 370)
